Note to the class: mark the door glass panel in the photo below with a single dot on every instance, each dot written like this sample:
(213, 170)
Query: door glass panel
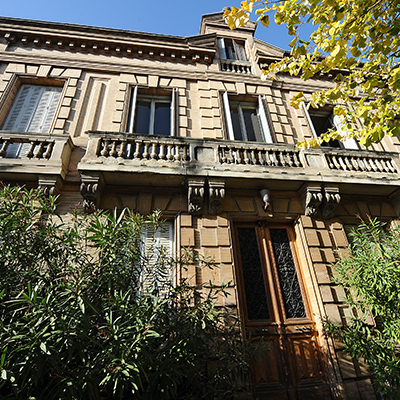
(250, 116)
(254, 287)
(237, 132)
(290, 288)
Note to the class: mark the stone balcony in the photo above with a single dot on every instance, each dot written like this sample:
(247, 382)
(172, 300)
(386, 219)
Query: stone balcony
(45, 160)
(150, 159)
(235, 66)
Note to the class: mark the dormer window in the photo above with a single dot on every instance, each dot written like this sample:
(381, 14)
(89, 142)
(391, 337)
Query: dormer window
(231, 49)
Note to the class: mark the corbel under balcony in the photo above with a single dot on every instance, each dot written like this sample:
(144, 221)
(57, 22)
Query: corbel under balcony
(319, 201)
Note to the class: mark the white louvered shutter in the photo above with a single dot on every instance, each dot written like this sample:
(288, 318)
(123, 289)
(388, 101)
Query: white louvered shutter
(349, 143)
(239, 51)
(157, 273)
(264, 121)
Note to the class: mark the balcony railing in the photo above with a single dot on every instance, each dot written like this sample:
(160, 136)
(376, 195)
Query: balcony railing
(242, 67)
(233, 159)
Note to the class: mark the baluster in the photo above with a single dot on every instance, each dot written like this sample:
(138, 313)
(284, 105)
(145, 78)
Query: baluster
(354, 163)
(169, 152)
(3, 151)
(153, 154)
(177, 150)
(289, 159)
(252, 157)
(162, 151)
(29, 154)
(281, 160)
(330, 162)
(122, 149)
(361, 164)
(222, 155)
(296, 159)
(246, 156)
(390, 165)
(113, 152)
(186, 153)
(342, 163)
(40, 150)
(348, 163)
(232, 156)
(136, 155)
(146, 150)
(367, 164)
(336, 162)
(274, 158)
(374, 164)
(105, 152)
(49, 150)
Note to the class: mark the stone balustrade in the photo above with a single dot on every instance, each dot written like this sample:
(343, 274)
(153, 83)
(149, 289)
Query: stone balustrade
(121, 153)
(236, 66)
(34, 148)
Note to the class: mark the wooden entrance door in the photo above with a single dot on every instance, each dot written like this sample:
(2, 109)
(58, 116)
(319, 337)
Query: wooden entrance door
(276, 314)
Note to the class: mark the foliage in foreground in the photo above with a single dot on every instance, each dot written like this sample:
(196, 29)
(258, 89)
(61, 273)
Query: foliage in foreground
(356, 39)
(79, 321)
(370, 276)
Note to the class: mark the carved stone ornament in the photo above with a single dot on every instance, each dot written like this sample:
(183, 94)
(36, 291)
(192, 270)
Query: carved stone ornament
(91, 188)
(195, 195)
(216, 195)
(49, 185)
(331, 200)
(312, 198)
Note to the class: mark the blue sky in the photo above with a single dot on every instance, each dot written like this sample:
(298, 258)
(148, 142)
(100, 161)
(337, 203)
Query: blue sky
(173, 17)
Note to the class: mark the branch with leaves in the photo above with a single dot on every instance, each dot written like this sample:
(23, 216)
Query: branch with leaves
(358, 40)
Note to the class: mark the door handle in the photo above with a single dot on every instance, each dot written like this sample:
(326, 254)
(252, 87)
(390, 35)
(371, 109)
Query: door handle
(303, 328)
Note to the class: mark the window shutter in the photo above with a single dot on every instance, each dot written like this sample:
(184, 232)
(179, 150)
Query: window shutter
(157, 273)
(173, 112)
(228, 117)
(310, 124)
(221, 48)
(348, 143)
(264, 121)
(239, 51)
(131, 121)
(23, 108)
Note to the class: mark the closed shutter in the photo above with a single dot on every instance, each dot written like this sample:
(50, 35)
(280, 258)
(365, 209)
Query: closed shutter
(33, 110)
(157, 272)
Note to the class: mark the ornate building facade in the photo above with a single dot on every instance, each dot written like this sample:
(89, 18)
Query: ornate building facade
(189, 125)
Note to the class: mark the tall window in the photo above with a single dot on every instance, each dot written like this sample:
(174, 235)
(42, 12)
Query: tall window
(151, 114)
(246, 121)
(321, 120)
(231, 49)
(33, 110)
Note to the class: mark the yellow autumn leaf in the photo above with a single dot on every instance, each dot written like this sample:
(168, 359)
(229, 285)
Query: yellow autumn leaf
(265, 20)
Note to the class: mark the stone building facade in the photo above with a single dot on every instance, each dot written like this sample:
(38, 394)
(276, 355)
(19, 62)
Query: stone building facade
(189, 125)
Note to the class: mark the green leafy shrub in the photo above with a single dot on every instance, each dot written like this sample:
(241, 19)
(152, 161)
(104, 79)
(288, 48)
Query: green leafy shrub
(370, 277)
(76, 322)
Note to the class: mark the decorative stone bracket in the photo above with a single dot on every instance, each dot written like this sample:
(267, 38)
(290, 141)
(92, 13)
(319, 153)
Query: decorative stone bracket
(91, 188)
(319, 201)
(49, 185)
(196, 192)
(195, 195)
(216, 195)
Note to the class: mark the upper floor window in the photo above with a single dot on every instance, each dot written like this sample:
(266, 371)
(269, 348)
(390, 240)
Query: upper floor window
(231, 49)
(321, 120)
(32, 110)
(246, 120)
(152, 114)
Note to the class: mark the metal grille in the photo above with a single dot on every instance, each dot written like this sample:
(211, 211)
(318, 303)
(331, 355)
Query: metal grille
(290, 288)
(256, 299)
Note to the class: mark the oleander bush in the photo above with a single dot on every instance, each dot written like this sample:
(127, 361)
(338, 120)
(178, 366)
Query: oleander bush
(83, 316)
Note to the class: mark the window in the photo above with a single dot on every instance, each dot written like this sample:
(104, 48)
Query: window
(246, 121)
(156, 267)
(151, 114)
(321, 120)
(33, 110)
(230, 49)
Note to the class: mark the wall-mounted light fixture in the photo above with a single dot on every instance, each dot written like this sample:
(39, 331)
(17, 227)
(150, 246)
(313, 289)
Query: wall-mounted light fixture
(264, 193)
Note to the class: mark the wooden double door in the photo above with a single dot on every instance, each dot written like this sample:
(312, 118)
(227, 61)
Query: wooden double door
(287, 362)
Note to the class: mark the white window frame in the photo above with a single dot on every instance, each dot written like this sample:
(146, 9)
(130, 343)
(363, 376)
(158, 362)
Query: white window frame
(337, 123)
(262, 119)
(153, 99)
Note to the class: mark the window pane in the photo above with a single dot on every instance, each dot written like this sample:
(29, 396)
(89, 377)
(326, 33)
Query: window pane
(321, 125)
(237, 133)
(250, 118)
(162, 119)
(142, 123)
